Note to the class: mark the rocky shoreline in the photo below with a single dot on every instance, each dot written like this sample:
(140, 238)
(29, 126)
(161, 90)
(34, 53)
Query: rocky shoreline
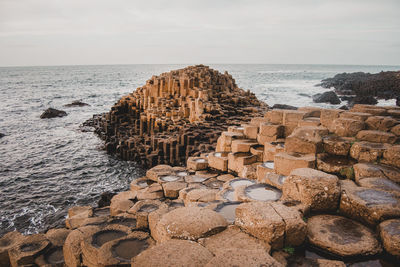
(364, 88)
(273, 188)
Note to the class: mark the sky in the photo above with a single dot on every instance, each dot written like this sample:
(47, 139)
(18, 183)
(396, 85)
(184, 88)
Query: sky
(80, 32)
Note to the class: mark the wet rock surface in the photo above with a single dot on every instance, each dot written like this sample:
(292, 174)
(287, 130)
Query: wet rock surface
(342, 236)
(327, 97)
(52, 113)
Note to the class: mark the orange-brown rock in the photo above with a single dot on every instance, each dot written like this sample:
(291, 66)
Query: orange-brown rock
(233, 237)
(284, 162)
(174, 253)
(189, 223)
(376, 136)
(346, 127)
(368, 152)
(319, 190)
(30, 247)
(175, 115)
(381, 123)
(368, 205)
(8, 241)
(242, 257)
(390, 235)
(391, 156)
(342, 236)
(337, 145)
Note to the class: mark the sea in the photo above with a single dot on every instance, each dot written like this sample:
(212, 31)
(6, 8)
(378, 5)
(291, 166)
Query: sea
(49, 165)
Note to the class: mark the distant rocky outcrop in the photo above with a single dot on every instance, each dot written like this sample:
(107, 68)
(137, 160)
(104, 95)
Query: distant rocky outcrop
(283, 106)
(175, 115)
(383, 85)
(327, 97)
(52, 113)
(76, 103)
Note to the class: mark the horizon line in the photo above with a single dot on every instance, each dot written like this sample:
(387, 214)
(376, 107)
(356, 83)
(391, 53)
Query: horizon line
(192, 64)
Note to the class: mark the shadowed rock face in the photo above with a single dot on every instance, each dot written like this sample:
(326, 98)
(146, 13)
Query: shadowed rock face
(175, 115)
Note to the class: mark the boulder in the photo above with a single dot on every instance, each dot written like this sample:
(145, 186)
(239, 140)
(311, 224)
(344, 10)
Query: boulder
(174, 253)
(368, 205)
(319, 190)
(390, 235)
(189, 223)
(327, 97)
(242, 257)
(52, 113)
(341, 236)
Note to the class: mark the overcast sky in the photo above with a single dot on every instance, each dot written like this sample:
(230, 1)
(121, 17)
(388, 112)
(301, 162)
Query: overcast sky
(71, 32)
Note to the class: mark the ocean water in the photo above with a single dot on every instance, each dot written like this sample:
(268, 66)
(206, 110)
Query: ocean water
(49, 165)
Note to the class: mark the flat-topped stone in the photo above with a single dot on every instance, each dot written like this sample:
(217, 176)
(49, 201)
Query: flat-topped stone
(319, 190)
(368, 152)
(390, 235)
(286, 162)
(368, 205)
(189, 223)
(242, 257)
(376, 136)
(342, 236)
(174, 253)
(233, 237)
(336, 145)
(346, 127)
(379, 183)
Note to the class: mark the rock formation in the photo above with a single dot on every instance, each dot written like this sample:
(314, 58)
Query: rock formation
(313, 178)
(175, 115)
(366, 86)
(52, 113)
(327, 97)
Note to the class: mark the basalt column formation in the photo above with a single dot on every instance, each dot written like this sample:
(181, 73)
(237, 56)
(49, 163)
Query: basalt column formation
(175, 115)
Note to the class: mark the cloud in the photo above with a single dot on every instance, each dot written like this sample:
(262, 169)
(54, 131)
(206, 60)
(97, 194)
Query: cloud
(251, 31)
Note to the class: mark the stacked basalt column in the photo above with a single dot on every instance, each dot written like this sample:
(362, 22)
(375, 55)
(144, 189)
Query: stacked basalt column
(175, 115)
